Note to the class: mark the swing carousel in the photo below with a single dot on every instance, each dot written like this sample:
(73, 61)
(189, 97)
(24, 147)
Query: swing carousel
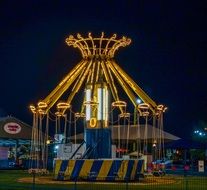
(96, 95)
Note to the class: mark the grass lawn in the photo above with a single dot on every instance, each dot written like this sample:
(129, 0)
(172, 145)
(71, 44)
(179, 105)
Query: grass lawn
(9, 181)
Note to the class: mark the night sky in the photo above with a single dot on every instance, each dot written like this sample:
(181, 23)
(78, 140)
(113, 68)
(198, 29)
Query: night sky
(167, 57)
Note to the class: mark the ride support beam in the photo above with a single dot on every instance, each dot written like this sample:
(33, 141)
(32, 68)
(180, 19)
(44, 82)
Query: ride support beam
(110, 81)
(47, 99)
(144, 97)
(79, 83)
(60, 92)
(123, 83)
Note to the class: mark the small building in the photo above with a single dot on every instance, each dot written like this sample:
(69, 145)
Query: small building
(15, 138)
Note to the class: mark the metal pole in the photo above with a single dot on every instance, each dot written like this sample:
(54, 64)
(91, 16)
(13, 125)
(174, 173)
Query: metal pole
(33, 181)
(75, 131)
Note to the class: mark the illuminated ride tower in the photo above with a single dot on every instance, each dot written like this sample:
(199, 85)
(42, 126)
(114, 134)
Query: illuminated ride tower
(97, 134)
(99, 76)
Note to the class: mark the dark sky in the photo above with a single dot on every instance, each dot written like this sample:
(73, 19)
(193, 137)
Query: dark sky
(167, 57)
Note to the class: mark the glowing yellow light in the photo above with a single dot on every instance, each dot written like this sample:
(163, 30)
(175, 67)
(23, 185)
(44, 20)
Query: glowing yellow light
(41, 111)
(157, 113)
(145, 113)
(48, 142)
(42, 104)
(119, 104)
(59, 114)
(104, 49)
(165, 108)
(79, 115)
(124, 115)
(143, 106)
(91, 103)
(32, 108)
(63, 105)
(93, 122)
(160, 107)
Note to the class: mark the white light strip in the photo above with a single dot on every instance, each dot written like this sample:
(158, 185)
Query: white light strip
(100, 109)
(106, 105)
(88, 107)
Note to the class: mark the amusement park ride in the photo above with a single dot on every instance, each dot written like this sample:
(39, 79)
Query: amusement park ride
(97, 156)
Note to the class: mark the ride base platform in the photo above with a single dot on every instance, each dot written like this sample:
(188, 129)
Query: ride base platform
(98, 169)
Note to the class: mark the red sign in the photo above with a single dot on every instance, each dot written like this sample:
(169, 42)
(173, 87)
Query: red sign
(121, 150)
(12, 128)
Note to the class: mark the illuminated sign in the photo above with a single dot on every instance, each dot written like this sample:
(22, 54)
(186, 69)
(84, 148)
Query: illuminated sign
(12, 128)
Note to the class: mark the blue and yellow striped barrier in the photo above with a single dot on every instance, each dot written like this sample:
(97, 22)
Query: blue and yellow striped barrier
(98, 169)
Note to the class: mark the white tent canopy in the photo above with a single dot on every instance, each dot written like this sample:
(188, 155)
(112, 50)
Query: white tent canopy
(133, 133)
